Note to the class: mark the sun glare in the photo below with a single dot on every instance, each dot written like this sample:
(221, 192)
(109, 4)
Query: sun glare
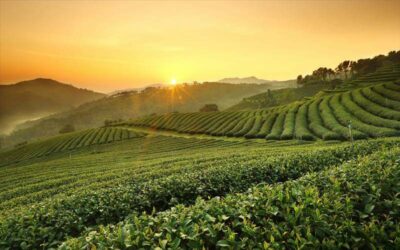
(173, 82)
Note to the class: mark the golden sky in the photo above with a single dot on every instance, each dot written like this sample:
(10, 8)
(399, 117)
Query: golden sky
(108, 45)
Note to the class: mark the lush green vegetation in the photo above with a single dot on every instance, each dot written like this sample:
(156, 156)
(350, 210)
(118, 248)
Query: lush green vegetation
(354, 205)
(85, 190)
(371, 111)
(66, 143)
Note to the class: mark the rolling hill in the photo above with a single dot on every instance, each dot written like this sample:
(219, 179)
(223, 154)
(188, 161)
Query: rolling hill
(372, 111)
(277, 97)
(97, 193)
(181, 98)
(37, 98)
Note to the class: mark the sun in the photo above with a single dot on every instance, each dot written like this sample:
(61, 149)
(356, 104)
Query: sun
(173, 82)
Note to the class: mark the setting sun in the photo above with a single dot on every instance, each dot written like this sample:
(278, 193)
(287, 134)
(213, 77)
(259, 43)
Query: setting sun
(173, 82)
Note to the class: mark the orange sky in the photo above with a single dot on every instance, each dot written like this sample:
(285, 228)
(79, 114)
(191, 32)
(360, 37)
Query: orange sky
(104, 45)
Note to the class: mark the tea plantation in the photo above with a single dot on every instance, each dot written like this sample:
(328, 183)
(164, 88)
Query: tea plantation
(372, 111)
(287, 177)
(354, 206)
(68, 142)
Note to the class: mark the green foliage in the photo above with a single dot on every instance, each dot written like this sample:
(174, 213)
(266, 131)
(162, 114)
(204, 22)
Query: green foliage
(258, 122)
(246, 127)
(381, 100)
(331, 122)
(267, 125)
(289, 124)
(301, 129)
(316, 124)
(372, 107)
(353, 206)
(392, 94)
(51, 221)
(277, 128)
(67, 142)
(366, 116)
(345, 117)
(319, 117)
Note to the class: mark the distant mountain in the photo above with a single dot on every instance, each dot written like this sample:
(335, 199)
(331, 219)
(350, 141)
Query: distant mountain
(254, 80)
(36, 98)
(126, 105)
(238, 80)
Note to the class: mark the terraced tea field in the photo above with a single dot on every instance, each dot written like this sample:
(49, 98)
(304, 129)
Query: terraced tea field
(320, 210)
(372, 111)
(54, 197)
(387, 73)
(67, 143)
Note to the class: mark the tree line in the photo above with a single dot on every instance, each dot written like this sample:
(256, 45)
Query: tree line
(348, 70)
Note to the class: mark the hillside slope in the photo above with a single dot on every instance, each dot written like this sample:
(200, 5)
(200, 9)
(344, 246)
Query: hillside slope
(386, 73)
(277, 97)
(37, 98)
(103, 184)
(372, 111)
(181, 98)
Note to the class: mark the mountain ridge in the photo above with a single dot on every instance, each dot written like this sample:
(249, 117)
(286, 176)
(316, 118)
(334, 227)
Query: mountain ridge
(248, 80)
(32, 99)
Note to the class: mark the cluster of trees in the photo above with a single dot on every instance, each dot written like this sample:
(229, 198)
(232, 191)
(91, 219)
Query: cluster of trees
(209, 108)
(349, 69)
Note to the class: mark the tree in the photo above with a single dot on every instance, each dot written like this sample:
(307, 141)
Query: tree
(394, 56)
(346, 67)
(331, 74)
(320, 73)
(351, 68)
(299, 79)
(209, 108)
(67, 129)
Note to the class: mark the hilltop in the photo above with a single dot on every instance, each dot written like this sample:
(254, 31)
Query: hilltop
(346, 76)
(36, 98)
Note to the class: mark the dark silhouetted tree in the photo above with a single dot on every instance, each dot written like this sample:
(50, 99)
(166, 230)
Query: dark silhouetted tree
(299, 79)
(209, 108)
